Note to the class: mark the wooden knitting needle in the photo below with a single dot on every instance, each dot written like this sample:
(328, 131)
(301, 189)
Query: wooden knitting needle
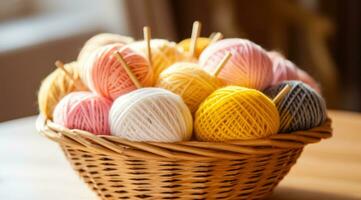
(282, 94)
(128, 70)
(61, 66)
(222, 64)
(196, 31)
(215, 37)
(212, 35)
(147, 37)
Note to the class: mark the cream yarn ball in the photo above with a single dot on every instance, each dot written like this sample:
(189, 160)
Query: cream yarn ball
(189, 81)
(164, 53)
(151, 115)
(100, 40)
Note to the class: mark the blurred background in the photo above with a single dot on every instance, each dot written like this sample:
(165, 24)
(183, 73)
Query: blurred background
(321, 36)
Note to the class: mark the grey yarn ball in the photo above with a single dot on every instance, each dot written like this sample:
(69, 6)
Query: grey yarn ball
(301, 109)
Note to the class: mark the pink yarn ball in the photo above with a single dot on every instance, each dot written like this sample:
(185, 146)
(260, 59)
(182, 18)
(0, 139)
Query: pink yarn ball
(284, 70)
(249, 65)
(106, 76)
(85, 111)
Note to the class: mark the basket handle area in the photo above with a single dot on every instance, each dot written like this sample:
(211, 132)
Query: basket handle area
(188, 150)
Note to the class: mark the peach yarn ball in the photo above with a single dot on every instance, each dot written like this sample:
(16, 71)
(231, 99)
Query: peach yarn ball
(284, 70)
(100, 40)
(164, 53)
(202, 43)
(106, 76)
(85, 111)
(55, 86)
(151, 114)
(189, 81)
(250, 66)
(236, 113)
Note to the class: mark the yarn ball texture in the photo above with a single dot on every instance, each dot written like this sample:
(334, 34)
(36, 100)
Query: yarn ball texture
(249, 66)
(55, 86)
(202, 43)
(164, 53)
(85, 111)
(302, 108)
(100, 40)
(284, 70)
(236, 113)
(151, 114)
(189, 81)
(106, 76)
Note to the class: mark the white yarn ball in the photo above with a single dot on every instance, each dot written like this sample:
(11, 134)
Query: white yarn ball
(151, 115)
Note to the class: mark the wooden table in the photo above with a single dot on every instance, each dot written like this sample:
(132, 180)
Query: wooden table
(32, 167)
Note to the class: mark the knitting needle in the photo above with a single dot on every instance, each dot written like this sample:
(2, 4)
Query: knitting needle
(196, 31)
(215, 37)
(222, 63)
(147, 37)
(131, 75)
(282, 94)
(61, 66)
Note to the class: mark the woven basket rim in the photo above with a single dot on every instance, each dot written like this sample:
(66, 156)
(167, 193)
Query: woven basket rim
(188, 150)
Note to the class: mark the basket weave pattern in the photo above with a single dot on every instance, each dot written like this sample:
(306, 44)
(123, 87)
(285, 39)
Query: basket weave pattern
(119, 169)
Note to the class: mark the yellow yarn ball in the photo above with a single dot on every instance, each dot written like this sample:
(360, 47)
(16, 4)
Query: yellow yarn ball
(55, 86)
(100, 40)
(236, 113)
(202, 43)
(190, 82)
(164, 53)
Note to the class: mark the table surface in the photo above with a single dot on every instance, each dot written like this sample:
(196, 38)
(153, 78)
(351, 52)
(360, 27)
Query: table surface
(32, 167)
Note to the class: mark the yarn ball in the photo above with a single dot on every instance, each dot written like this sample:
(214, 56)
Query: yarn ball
(151, 114)
(85, 111)
(189, 81)
(106, 76)
(249, 66)
(284, 70)
(55, 86)
(301, 108)
(236, 113)
(164, 53)
(100, 40)
(202, 43)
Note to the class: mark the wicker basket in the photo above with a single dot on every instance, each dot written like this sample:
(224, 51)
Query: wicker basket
(119, 169)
